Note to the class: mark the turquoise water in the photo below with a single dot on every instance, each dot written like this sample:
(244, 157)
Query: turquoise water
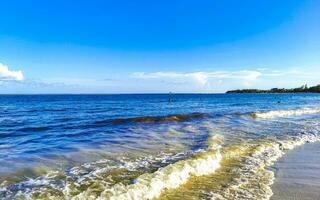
(192, 146)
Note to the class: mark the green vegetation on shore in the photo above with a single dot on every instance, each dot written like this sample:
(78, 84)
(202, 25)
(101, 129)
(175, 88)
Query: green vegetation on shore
(302, 89)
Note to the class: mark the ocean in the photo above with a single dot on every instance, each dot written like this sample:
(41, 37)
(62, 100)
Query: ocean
(149, 146)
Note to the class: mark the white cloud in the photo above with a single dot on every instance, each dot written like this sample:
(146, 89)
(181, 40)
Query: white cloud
(202, 78)
(6, 74)
(290, 72)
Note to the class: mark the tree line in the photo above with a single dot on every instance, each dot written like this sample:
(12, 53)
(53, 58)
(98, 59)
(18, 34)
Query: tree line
(302, 89)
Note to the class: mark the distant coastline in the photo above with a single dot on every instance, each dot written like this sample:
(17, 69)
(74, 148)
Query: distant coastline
(302, 89)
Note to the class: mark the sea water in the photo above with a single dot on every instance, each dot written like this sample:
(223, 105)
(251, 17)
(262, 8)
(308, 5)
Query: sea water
(149, 146)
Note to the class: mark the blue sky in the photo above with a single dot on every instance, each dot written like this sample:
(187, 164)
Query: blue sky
(157, 46)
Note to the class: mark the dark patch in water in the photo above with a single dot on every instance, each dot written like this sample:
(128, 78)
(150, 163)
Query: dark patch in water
(33, 110)
(55, 110)
(253, 114)
(47, 110)
(154, 119)
(65, 119)
(34, 129)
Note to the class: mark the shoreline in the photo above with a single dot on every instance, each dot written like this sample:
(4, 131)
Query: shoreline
(297, 174)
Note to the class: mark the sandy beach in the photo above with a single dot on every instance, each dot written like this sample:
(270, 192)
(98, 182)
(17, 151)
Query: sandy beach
(297, 174)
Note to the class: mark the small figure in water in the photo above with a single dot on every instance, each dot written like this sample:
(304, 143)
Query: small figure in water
(170, 99)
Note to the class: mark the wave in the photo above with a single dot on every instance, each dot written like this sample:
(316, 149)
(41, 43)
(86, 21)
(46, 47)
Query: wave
(150, 185)
(82, 183)
(153, 119)
(243, 166)
(67, 184)
(250, 178)
(253, 178)
(285, 113)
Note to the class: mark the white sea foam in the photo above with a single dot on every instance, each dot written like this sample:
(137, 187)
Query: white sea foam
(150, 185)
(255, 178)
(285, 113)
(251, 180)
(65, 185)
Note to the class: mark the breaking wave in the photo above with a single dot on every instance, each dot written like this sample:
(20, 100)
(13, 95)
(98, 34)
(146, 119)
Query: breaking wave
(253, 178)
(242, 168)
(150, 185)
(249, 176)
(285, 113)
(102, 183)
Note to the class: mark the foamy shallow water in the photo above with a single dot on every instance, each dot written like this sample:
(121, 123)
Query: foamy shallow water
(144, 147)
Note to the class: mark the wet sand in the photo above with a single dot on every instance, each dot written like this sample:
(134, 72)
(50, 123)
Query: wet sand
(298, 174)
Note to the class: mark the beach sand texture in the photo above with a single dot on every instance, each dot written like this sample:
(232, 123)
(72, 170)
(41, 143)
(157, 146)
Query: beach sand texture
(298, 174)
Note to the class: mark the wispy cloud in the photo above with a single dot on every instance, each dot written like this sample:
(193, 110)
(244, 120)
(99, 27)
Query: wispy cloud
(8, 75)
(201, 77)
(291, 72)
